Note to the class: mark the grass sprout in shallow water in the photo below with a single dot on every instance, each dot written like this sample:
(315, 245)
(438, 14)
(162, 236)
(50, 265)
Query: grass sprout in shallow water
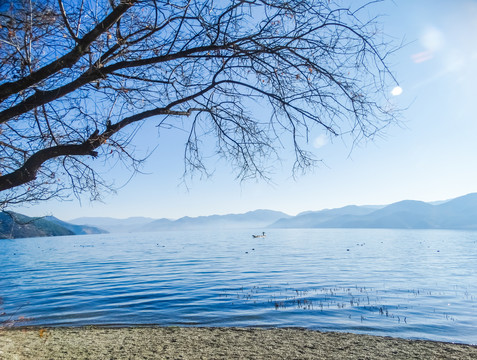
(361, 302)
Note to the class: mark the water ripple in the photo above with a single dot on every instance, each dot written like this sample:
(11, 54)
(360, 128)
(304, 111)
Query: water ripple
(411, 284)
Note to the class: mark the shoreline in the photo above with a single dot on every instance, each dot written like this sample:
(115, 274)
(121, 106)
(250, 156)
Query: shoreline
(94, 342)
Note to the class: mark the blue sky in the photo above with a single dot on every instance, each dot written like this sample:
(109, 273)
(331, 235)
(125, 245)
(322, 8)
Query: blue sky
(430, 156)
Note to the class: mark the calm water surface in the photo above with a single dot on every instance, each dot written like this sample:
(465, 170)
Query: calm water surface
(402, 283)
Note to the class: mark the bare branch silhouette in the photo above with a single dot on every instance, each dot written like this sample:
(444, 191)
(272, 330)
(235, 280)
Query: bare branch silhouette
(75, 76)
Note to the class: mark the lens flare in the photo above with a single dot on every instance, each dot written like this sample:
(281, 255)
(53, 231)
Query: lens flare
(396, 91)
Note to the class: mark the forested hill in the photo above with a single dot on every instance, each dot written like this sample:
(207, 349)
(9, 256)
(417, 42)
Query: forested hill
(14, 225)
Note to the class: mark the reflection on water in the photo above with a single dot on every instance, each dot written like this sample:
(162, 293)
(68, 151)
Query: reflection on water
(405, 283)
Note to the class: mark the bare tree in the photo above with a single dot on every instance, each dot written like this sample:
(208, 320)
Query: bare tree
(77, 77)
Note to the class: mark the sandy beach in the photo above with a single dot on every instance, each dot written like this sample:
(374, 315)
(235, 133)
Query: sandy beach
(215, 343)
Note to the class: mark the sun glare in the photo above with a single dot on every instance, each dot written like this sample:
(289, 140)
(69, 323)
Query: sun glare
(396, 91)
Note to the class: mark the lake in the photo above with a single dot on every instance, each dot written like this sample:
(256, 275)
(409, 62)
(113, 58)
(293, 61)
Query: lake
(417, 284)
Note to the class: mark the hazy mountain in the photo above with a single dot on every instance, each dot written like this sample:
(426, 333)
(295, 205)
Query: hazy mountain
(113, 225)
(14, 225)
(407, 214)
(346, 210)
(77, 229)
(459, 213)
(312, 219)
(159, 224)
(251, 219)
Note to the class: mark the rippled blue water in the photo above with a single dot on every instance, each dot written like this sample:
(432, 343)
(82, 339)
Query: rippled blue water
(403, 283)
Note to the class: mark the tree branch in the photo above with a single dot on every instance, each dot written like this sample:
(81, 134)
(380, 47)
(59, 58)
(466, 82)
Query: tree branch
(31, 166)
(67, 60)
(44, 97)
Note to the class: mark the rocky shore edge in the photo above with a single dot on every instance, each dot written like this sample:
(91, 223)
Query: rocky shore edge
(215, 343)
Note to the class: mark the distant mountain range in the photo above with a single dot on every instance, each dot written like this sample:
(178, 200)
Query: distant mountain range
(251, 219)
(458, 213)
